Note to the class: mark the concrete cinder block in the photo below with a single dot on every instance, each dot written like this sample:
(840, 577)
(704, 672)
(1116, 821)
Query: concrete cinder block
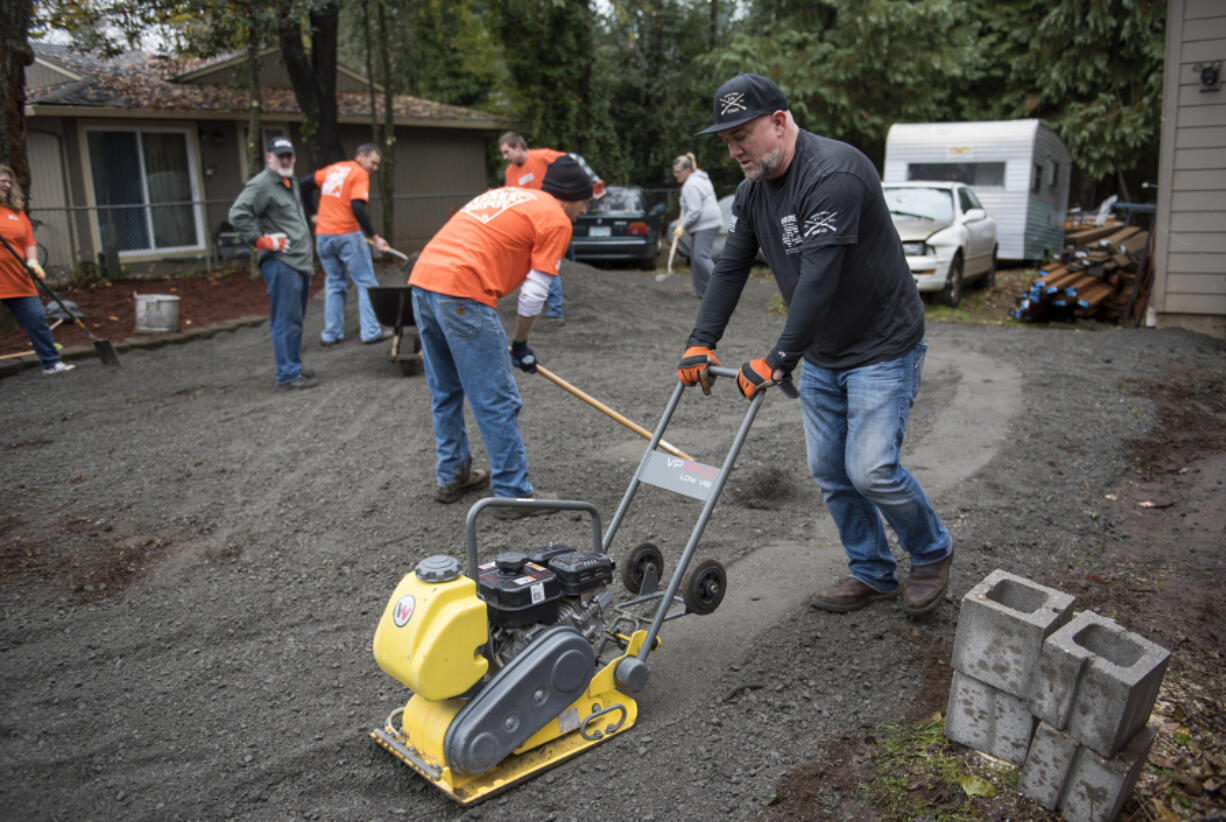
(1001, 627)
(1097, 682)
(1047, 766)
(1061, 775)
(988, 719)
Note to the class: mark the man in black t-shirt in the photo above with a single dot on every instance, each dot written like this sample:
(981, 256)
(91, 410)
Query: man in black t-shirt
(815, 208)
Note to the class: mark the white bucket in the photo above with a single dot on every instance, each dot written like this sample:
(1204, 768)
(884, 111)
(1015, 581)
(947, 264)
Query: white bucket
(156, 313)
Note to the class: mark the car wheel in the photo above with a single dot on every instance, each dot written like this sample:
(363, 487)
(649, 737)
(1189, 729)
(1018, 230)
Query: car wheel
(951, 294)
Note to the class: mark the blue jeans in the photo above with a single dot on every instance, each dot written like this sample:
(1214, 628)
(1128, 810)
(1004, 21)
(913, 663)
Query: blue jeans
(33, 318)
(340, 253)
(553, 302)
(465, 353)
(288, 291)
(854, 424)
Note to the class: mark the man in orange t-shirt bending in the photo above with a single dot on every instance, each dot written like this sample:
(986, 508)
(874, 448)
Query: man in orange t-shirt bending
(506, 238)
(526, 168)
(341, 227)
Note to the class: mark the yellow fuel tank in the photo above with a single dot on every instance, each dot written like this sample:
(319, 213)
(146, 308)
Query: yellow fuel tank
(431, 633)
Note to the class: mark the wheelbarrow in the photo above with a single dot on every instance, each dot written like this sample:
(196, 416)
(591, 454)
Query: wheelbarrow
(393, 305)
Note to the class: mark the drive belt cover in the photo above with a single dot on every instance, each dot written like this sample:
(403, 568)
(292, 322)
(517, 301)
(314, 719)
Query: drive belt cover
(532, 689)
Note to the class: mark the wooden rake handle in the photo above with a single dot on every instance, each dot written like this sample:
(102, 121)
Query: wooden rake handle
(599, 406)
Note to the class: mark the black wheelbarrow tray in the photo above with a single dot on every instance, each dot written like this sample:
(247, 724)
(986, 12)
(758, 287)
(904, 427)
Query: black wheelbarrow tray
(393, 305)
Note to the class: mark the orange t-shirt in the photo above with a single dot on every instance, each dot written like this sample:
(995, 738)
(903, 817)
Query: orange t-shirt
(532, 172)
(18, 233)
(486, 249)
(339, 184)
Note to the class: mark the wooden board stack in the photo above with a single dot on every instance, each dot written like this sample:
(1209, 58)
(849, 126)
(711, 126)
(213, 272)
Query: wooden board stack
(1100, 274)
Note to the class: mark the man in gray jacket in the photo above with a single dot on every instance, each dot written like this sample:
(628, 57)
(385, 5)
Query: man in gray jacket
(268, 214)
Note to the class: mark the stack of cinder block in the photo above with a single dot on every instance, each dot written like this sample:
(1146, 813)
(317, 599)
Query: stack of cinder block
(1065, 697)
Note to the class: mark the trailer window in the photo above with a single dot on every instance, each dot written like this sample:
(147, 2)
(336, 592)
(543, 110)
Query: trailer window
(981, 175)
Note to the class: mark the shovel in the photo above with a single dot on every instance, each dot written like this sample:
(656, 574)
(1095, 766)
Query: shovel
(404, 258)
(671, 251)
(103, 348)
(599, 406)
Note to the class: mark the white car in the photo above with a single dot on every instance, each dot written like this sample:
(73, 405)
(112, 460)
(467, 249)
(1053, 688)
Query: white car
(947, 236)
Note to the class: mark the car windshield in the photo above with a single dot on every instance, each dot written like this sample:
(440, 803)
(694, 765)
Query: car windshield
(619, 200)
(935, 204)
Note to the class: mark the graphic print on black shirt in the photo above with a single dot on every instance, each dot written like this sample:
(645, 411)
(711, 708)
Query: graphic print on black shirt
(826, 233)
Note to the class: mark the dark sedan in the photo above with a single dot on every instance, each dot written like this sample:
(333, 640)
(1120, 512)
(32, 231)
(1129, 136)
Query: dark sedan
(619, 226)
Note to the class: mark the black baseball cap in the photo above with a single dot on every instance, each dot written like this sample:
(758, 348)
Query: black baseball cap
(279, 145)
(743, 98)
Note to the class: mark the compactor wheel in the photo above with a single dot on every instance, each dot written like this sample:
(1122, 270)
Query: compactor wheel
(644, 557)
(703, 587)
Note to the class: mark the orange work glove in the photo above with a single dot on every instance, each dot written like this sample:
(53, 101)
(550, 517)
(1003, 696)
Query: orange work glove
(692, 370)
(755, 375)
(272, 242)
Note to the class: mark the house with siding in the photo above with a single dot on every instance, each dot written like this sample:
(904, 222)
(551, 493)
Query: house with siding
(139, 157)
(1189, 287)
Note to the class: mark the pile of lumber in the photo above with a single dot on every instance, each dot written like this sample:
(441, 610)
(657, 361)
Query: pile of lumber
(1100, 274)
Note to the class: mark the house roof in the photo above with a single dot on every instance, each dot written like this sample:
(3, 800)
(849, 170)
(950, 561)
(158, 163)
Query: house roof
(140, 84)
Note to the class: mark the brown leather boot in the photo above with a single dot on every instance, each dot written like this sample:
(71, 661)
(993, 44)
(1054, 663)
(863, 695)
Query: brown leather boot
(849, 595)
(469, 479)
(926, 586)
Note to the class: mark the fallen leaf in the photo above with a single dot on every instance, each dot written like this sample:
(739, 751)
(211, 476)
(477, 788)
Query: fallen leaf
(976, 786)
(1098, 579)
(112, 318)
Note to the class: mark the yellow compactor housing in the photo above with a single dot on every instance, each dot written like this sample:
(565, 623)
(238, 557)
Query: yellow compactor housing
(430, 635)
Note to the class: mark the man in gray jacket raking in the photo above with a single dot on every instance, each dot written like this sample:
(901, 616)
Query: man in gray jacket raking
(268, 214)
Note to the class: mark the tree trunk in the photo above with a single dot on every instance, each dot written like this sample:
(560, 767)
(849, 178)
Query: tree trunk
(314, 80)
(370, 75)
(299, 69)
(255, 121)
(15, 55)
(387, 169)
(325, 35)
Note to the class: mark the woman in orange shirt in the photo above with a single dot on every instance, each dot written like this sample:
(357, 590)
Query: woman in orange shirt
(17, 290)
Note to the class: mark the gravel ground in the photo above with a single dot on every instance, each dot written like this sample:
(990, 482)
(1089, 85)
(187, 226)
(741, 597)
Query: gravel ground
(193, 564)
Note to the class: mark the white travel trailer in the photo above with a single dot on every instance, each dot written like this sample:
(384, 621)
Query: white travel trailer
(1018, 168)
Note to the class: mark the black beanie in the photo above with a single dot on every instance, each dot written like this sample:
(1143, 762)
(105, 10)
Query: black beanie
(565, 180)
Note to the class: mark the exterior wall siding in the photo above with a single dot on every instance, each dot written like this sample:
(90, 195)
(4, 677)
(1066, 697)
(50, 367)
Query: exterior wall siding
(1190, 244)
(437, 171)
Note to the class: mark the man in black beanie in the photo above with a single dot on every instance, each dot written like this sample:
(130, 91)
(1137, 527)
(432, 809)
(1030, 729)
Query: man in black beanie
(815, 208)
(506, 238)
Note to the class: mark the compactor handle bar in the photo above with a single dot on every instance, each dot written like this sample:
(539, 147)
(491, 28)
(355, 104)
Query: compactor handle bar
(470, 524)
(786, 386)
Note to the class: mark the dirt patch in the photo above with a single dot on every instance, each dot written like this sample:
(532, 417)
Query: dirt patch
(1157, 569)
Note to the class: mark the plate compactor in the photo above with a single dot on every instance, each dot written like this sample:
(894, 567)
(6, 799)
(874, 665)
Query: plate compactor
(518, 664)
